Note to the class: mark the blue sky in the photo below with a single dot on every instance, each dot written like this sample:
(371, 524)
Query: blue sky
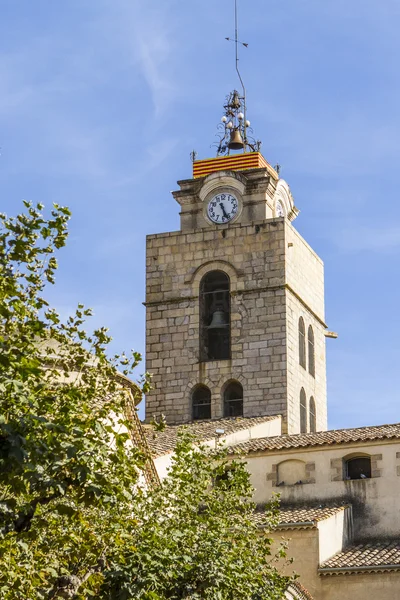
(101, 102)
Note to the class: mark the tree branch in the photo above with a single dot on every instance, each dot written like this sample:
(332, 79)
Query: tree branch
(23, 521)
(67, 586)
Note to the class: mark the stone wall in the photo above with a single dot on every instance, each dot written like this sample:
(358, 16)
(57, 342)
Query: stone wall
(374, 500)
(254, 258)
(263, 318)
(305, 298)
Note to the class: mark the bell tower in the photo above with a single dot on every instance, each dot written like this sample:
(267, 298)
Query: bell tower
(235, 299)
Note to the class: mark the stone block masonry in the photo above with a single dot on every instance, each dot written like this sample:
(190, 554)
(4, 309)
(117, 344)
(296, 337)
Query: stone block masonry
(274, 277)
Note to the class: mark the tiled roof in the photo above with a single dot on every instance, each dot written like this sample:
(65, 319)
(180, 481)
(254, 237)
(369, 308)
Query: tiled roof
(322, 438)
(164, 441)
(374, 556)
(298, 592)
(303, 516)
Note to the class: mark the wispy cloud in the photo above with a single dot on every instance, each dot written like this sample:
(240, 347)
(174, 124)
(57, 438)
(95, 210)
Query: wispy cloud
(70, 138)
(143, 33)
(373, 239)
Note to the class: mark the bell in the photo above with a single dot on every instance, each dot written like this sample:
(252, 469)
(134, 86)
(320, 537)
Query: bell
(218, 320)
(236, 142)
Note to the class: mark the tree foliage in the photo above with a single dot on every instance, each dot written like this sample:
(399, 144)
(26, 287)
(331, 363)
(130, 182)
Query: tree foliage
(65, 467)
(74, 523)
(198, 538)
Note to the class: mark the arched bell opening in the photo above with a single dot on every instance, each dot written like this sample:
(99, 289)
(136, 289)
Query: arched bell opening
(201, 403)
(215, 317)
(233, 399)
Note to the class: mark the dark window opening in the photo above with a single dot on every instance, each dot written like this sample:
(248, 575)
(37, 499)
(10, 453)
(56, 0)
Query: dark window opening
(358, 468)
(313, 416)
(201, 403)
(233, 400)
(302, 343)
(303, 411)
(311, 352)
(215, 318)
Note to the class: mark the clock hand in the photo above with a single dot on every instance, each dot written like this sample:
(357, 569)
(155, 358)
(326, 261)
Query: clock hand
(223, 210)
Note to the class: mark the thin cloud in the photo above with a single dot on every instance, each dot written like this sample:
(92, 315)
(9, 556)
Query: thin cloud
(143, 35)
(372, 239)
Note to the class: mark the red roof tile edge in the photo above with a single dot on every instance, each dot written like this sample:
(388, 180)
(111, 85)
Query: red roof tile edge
(321, 438)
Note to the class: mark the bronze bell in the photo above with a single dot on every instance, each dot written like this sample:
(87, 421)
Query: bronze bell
(218, 320)
(236, 142)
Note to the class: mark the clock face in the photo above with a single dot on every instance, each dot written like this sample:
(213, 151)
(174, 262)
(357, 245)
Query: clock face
(222, 208)
(279, 210)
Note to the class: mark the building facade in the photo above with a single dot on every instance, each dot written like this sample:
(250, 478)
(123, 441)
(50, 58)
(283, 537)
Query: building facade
(228, 302)
(235, 340)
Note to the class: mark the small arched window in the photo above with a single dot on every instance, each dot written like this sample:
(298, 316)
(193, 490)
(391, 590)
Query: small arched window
(201, 403)
(358, 467)
(215, 318)
(303, 411)
(233, 400)
(311, 352)
(302, 343)
(313, 416)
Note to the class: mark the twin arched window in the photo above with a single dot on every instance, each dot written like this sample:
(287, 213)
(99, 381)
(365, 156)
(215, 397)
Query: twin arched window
(312, 416)
(311, 420)
(302, 343)
(201, 403)
(311, 352)
(232, 401)
(302, 347)
(215, 317)
(303, 411)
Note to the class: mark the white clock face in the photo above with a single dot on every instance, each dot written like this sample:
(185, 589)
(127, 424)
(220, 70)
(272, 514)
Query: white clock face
(279, 210)
(222, 208)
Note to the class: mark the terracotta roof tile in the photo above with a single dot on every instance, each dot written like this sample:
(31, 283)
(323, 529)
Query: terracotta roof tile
(322, 438)
(296, 591)
(164, 441)
(306, 516)
(368, 556)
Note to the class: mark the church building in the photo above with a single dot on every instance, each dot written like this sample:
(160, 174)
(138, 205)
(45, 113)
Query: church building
(235, 340)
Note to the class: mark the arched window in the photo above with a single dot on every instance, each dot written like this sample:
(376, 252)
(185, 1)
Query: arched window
(358, 467)
(233, 400)
(302, 343)
(215, 318)
(313, 416)
(201, 403)
(303, 411)
(311, 352)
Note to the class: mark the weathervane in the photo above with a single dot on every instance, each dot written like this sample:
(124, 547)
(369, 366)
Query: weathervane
(234, 126)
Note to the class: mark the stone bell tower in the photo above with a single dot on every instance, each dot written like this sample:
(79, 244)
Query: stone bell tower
(235, 299)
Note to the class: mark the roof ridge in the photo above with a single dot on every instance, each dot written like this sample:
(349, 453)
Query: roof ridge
(319, 438)
(309, 433)
(163, 442)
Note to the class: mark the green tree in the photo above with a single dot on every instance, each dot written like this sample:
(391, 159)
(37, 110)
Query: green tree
(67, 471)
(198, 538)
(74, 521)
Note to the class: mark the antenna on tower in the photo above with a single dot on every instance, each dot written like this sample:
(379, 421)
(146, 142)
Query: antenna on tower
(237, 42)
(234, 127)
